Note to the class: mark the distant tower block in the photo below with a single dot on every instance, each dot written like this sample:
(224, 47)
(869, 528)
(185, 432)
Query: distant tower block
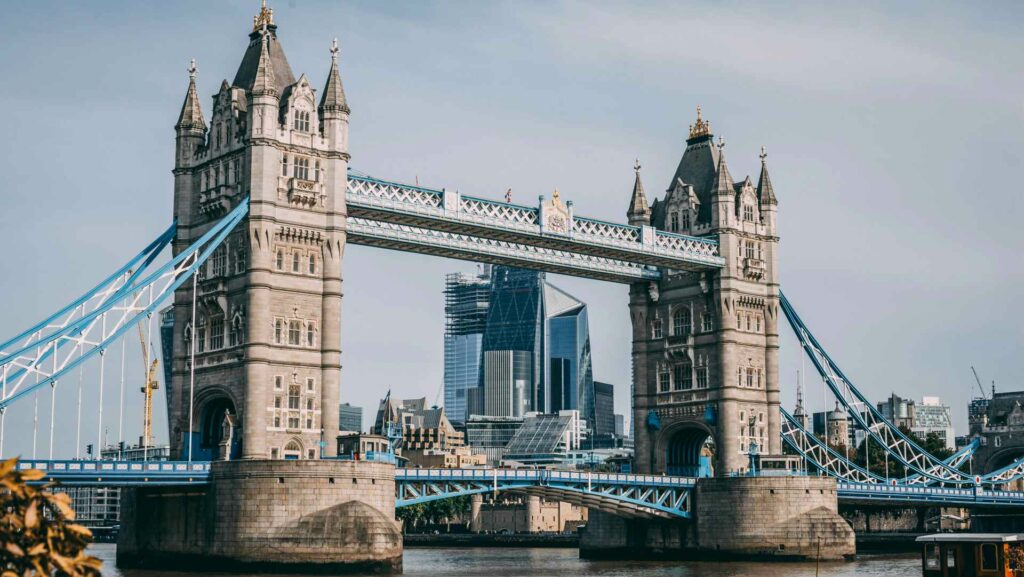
(267, 326)
(705, 344)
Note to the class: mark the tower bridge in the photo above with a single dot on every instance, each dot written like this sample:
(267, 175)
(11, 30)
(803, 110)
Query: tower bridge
(265, 204)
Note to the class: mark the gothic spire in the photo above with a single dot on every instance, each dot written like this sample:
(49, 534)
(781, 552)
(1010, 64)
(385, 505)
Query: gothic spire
(639, 211)
(333, 98)
(723, 180)
(264, 82)
(191, 117)
(765, 192)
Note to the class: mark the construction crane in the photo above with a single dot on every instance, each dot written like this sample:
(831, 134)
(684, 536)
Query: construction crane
(148, 386)
(978, 380)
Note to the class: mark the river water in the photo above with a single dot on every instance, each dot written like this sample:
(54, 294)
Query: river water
(508, 562)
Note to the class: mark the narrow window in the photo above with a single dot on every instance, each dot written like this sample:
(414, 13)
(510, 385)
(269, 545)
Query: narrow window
(216, 333)
(240, 256)
(686, 220)
(309, 404)
(707, 323)
(309, 425)
(201, 335)
(702, 378)
(750, 377)
(278, 382)
(295, 262)
(748, 212)
(294, 332)
(279, 260)
(219, 261)
(284, 165)
(277, 402)
(309, 385)
(757, 324)
(316, 172)
(277, 423)
(293, 396)
(739, 321)
(749, 245)
(664, 380)
(674, 222)
(310, 334)
(683, 377)
(681, 321)
(278, 327)
(302, 167)
(748, 322)
(273, 452)
(657, 328)
(312, 264)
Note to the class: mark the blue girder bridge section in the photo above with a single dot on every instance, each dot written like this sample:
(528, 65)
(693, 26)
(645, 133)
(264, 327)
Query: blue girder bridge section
(644, 496)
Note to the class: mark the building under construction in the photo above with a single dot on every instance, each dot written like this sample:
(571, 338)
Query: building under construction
(466, 301)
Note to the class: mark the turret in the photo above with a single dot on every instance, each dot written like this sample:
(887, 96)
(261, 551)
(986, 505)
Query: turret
(723, 192)
(264, 97)
(333, 107)
(766, 195)
(190, 130)
(638, 213)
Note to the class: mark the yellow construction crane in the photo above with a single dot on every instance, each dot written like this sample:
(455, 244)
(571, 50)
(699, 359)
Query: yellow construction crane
(149, 385)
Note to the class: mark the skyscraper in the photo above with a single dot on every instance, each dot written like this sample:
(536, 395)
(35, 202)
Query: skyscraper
(465, 307)
(350, 418)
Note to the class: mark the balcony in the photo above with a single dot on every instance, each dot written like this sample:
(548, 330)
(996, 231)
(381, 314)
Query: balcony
(215, 201)
(753, 268)
(304, 192)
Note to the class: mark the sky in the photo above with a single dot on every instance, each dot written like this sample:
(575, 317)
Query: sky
(893, 136)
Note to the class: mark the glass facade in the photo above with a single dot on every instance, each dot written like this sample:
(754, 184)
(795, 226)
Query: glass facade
(467, 300)
(514, 325)
(490, 435)
(350, 418)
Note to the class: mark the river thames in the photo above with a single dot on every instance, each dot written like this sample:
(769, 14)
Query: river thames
(507, 562)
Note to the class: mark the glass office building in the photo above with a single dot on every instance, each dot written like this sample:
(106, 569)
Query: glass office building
(514, 344)
(466, 303)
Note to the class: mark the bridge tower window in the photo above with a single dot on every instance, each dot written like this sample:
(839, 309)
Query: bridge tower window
(216, 333)
(295, 262)
(310, 334)
(683, 377)
(686, 219)
(284, 165)
(312, 264)
(748, 212)
(681, 322)
(302, 168)
(702, 377)
(219, 261)
(674, 222)
(656, 328)
(301, 120)
(707, 322)
(279, 260)
(278, 330)
(664, 380)
(749, 248)
(293, 396)
(294, 332)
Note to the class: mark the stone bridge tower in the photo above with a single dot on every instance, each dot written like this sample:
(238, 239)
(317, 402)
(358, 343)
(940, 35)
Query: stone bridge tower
(267, 324)
(705, 345)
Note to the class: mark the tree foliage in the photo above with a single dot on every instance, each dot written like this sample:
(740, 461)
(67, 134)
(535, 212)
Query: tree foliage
(876, 456)
(37, 536)
(434, 512)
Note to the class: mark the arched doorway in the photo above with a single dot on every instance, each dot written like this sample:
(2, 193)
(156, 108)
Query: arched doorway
(690, 453)
(292, 450)
(211, 428)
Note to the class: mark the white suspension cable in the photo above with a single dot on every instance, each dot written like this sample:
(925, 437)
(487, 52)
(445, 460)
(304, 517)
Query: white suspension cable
(53, 405)
(149, 396)
(99, 422)
(35, 420)
(3, 413)
(78, 419)
(120, 409)
(192, 365)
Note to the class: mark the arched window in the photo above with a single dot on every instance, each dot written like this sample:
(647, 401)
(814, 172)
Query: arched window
(312, 264)
(681, 321)
(279, 260)
(278, 330)
(295, 262)
(293, 450)
(284, 165)
(310, 334)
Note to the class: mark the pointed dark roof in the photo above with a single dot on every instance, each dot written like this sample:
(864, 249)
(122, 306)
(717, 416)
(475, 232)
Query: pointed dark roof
(191, 117)
(333, 98)
(261, 42)
(723, 180)
(765, 192)
(638, 203)
(264, 81)
(697, 167)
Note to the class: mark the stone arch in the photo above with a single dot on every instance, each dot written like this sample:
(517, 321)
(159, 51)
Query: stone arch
(679, 449)
(208, 429)
(293, 449)
(1003, 457)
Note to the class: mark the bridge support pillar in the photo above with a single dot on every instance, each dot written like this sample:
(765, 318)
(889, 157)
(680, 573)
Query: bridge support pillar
(792, 518)
(476, 501)
(255, 516)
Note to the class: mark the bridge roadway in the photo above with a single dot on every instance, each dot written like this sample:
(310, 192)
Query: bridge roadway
(644, 496)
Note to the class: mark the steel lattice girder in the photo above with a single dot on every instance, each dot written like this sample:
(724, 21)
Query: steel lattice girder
(419, 207)
(451, 245)
(90, 333)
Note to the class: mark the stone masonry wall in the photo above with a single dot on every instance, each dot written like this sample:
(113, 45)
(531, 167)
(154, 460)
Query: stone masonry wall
(322, 515)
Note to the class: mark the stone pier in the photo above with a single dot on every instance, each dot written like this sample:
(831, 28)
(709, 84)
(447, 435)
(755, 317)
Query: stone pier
(792, 518)
(320, 516)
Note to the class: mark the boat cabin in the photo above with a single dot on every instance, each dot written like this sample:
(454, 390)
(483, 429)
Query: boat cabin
(971, 554)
